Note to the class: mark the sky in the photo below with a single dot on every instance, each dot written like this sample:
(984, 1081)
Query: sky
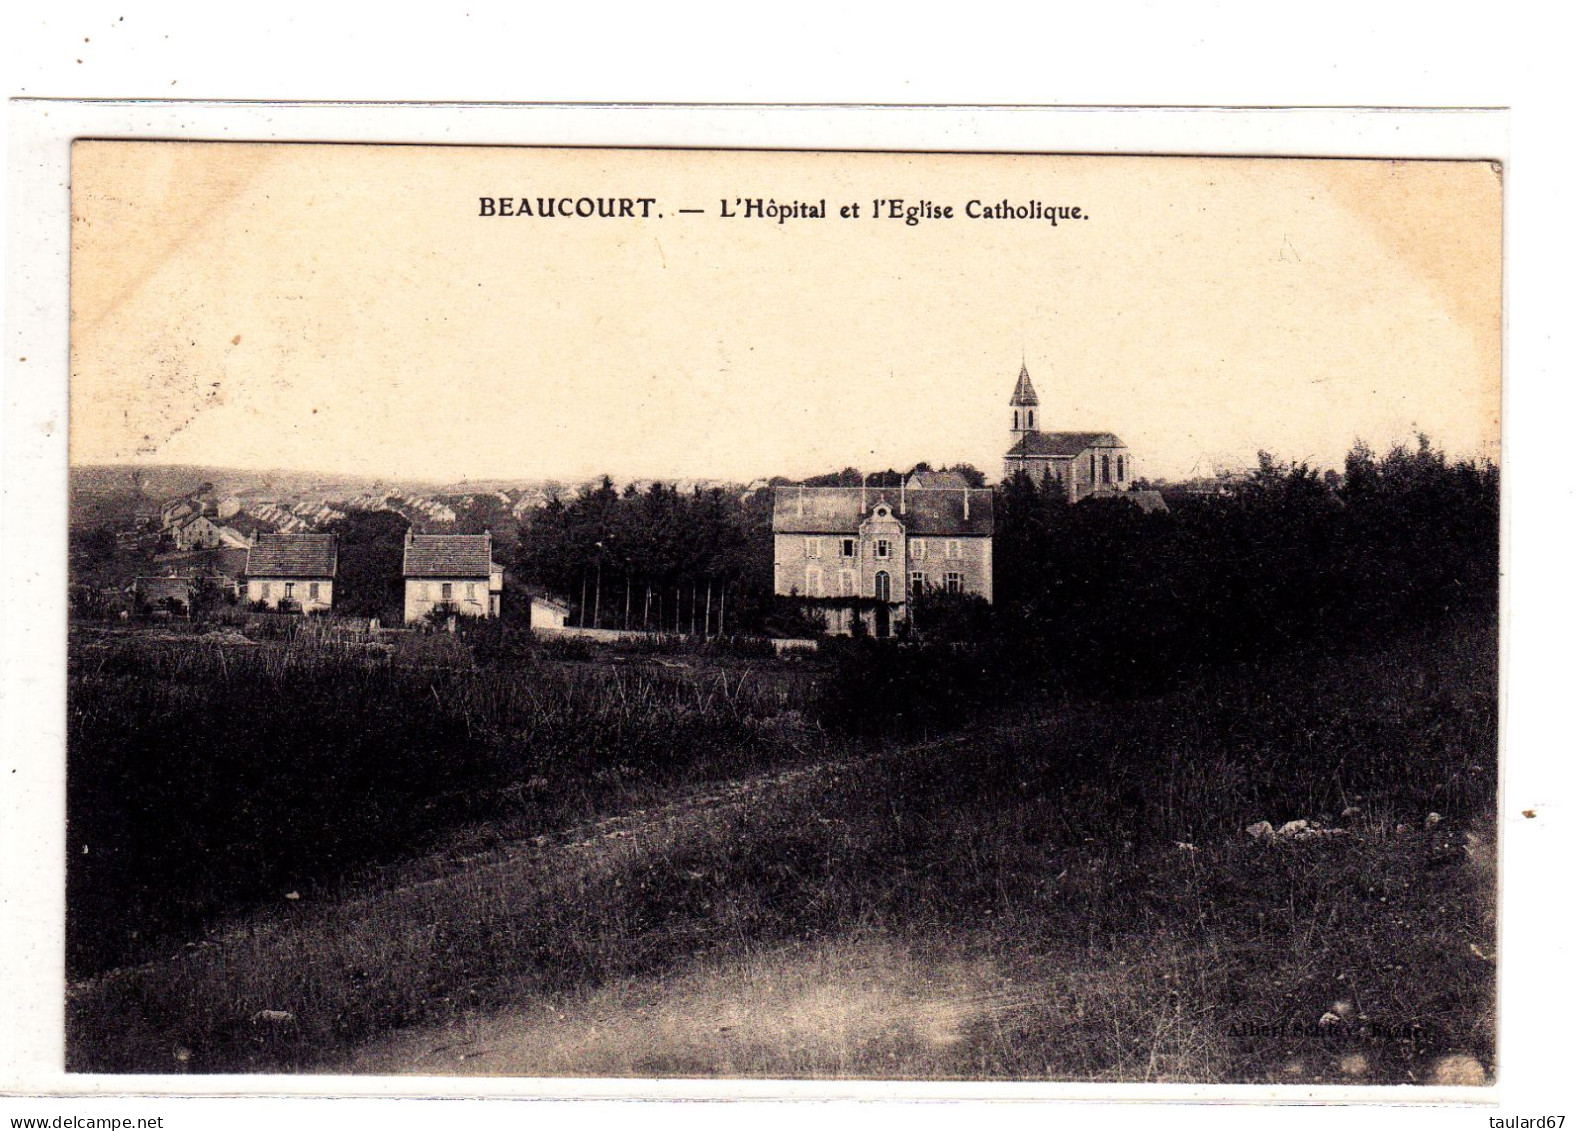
(347, 309)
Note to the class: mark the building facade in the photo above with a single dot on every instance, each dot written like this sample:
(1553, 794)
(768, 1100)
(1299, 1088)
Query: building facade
(453, 572)
(864, 553)
(1081, 463)
(292, 572)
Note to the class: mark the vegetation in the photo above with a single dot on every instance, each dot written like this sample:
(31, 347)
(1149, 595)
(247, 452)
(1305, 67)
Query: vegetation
(655, 561)
(203, 776)
(1089, 869)
(1052, 794)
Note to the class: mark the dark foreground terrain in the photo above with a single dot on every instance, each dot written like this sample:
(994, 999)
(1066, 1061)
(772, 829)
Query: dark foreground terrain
(1062, 892)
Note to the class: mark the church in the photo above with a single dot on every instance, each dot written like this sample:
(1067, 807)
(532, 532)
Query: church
(1081, 463)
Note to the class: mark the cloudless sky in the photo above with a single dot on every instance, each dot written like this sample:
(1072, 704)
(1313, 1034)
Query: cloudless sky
(346, 309)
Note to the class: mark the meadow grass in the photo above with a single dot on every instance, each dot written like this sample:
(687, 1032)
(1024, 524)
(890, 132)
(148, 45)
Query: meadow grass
(1089, 867)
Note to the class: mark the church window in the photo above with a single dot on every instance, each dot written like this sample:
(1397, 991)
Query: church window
(1119, 469)
(955, 581)
(1015, 420)
(884, 548)
(884, 586)
(1092, 467)
(1029, 420)
(1106, 469)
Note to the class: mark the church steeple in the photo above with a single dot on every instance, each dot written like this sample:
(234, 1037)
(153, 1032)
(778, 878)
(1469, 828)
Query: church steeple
(1024, 404)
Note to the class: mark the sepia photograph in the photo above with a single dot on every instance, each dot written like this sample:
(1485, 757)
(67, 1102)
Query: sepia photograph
(659, 613)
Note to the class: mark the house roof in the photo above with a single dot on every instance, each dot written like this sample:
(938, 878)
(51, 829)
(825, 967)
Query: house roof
(292, 555)
(924, 480)
(542, 596)
(449, 555)
(1024, 391)
(1063, 445)
(839, 510)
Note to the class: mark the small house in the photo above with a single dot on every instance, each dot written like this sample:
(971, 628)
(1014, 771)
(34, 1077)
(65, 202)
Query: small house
(452, 573)
(292, 572)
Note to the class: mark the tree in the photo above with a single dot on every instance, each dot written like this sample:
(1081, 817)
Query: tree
(370, 580)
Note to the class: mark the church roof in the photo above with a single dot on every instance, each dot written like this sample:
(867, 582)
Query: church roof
(449, 555)
(292, 555)
(838, 510)
(1064, 445)
(1024, 391)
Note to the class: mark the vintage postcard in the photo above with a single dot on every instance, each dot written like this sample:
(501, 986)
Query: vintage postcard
(685, 613)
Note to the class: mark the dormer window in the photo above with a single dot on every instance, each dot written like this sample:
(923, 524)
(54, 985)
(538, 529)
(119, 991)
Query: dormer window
(882, 512)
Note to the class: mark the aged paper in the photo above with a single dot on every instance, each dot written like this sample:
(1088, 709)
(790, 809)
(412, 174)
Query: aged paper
(710, 848)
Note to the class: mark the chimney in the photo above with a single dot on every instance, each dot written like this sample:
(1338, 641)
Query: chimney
(966, 504)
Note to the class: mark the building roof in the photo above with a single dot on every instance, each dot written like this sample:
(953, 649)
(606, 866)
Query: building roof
(449, 555)
(923, 480)
(1147, 501)
(1024, 391)
(839, 510)
(1062, 445)
(292, 555)
(542, 596)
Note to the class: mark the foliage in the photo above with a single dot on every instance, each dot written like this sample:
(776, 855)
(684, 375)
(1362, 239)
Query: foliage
(658, 560)
(1103, 598)
(369, 581)
(204, 776)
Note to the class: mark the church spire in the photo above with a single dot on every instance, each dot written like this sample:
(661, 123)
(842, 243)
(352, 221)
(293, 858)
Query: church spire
(1024, 392)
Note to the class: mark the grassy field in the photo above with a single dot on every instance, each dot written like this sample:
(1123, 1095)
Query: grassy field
(1065, 894)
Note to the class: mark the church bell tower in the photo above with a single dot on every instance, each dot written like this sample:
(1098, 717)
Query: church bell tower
(1024, 405)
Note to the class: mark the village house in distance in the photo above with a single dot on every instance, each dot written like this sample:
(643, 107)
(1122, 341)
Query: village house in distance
(292, 572)
(453, 572)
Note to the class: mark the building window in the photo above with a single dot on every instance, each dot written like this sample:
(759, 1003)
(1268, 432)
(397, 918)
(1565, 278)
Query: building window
(470, 590)
(917, 549)
(1106, 469)
(882, 512)
(813, 547)
(1030, 422)
(813, 582)
(1015, 420)
(446, 591)
(955, 581)
(1119, 469)
(954, 550)
(266, 593)
(290, 590)
(884, 548)
(884, 586)
(1092, 467)
(424, 590)
(846, 583)
(916, 584)
(312, 590)
(847, 548)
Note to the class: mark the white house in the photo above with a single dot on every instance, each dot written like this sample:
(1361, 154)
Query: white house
(292, 571)
(453, 572)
